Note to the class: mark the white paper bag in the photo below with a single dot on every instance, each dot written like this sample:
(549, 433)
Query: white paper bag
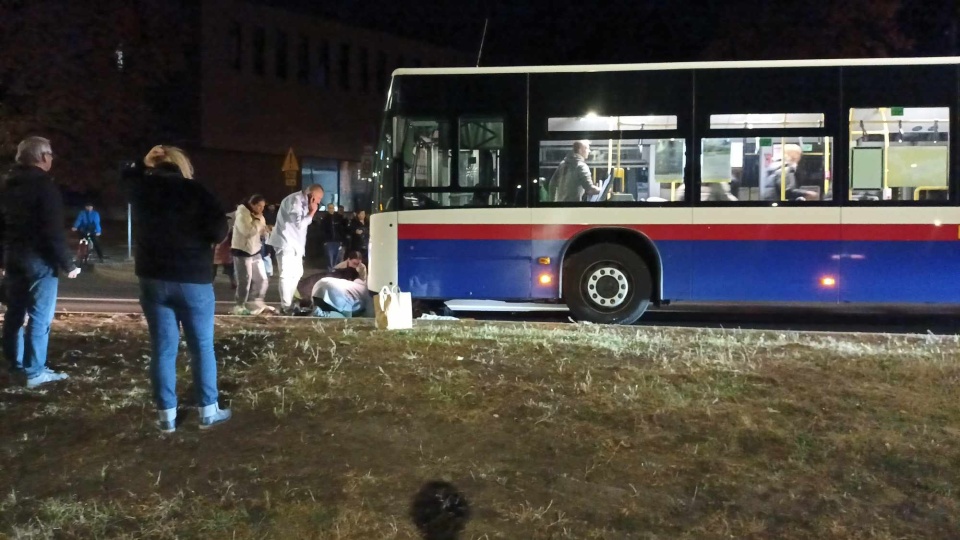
(393, 309)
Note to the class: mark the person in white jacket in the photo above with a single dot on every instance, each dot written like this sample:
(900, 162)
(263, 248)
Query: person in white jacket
(289, 240)
(249, 226)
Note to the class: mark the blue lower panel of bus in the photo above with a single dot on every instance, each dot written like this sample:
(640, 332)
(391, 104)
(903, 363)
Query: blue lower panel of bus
(927, 272)
(481, 269)
(718, 271)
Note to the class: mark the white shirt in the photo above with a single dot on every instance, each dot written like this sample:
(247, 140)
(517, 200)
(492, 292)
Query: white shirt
(290, 233)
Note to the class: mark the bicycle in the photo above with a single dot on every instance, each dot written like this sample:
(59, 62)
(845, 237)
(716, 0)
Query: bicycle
(83, 249)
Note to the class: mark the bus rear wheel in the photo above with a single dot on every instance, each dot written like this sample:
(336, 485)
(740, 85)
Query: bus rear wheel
(607, 284)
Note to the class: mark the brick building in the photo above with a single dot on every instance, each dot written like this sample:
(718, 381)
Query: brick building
(272, 79)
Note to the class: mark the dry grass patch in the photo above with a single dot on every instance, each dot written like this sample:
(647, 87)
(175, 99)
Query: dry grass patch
(553, 431)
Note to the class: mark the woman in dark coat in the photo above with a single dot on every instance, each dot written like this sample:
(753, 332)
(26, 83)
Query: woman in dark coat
(178, 223)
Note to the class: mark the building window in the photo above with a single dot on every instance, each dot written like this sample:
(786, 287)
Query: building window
(899, 153)
(281, 53)
(259, 50)
(345, 66)
(321, 76)
(303, 60)
(381, 71)
(364, 70)
(235, 44)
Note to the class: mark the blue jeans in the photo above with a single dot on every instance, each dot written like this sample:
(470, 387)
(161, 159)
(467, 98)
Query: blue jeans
(332, 250)
(31, 290)
(167, 305)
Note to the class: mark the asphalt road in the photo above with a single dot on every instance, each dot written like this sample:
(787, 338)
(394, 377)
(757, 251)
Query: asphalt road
(112, 288)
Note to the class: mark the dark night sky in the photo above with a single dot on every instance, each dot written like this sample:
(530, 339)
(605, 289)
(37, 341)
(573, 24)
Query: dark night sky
(566, 32)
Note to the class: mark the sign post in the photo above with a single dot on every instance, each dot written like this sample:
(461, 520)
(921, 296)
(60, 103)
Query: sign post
(291, 169)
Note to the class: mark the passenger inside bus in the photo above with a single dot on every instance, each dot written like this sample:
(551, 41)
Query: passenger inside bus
(785, 170)
(572, 180)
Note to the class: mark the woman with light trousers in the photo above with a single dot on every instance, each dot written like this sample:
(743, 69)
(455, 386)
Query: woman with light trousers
(249, 228)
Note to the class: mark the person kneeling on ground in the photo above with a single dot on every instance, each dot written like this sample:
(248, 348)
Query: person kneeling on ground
(340, 298)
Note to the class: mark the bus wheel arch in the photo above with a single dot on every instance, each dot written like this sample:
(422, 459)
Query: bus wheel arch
(610, 275)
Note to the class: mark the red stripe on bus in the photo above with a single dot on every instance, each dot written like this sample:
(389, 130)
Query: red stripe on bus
(450, 231)
(742, 232)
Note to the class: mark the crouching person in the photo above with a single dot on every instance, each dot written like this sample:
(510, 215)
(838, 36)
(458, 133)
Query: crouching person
(180, 220)
(340, 298)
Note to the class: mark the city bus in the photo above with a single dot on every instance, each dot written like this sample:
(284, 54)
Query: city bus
(812, 181)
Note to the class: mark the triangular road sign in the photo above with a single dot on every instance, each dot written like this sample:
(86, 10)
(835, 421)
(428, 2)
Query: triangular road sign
(290, 164)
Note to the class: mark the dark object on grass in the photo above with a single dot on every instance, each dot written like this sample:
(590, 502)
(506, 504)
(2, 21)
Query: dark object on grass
(439, 511)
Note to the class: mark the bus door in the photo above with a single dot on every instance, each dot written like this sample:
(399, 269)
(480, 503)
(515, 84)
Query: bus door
(460, 234)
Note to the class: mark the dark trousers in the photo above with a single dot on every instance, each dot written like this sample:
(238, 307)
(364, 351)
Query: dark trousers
(95, 240)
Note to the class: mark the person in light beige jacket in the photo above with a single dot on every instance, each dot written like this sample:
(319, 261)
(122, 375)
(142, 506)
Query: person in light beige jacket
(249, 228)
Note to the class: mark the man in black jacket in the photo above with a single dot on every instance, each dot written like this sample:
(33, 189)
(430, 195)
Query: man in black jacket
(333, 228)
(35, 251)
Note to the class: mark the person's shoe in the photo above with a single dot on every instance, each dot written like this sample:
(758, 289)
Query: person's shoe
(46, 376)
(212, 415)
(167, 421)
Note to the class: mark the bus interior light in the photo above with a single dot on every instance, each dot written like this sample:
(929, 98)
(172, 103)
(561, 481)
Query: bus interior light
(828, 281)
(546, 279)
(544, 260)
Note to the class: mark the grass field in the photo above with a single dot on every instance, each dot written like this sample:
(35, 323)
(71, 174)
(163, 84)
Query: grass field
(551, 431)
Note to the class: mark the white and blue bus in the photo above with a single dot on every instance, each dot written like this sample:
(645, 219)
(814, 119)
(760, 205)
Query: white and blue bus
(819, 181)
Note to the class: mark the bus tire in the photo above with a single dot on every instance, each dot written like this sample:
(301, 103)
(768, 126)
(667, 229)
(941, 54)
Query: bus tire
(607, 284)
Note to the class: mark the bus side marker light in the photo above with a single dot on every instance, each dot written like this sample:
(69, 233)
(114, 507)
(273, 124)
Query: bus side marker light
(546, 279)
(544, 260)
(828, 281)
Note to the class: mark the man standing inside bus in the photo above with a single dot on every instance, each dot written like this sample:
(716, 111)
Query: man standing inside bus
(572, 178)
(289, 240)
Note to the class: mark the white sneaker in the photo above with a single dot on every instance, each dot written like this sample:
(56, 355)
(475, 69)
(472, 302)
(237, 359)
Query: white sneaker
(47, 376)
(212, 415)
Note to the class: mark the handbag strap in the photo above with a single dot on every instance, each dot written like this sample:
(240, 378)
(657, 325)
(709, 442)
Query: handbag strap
(385, 293)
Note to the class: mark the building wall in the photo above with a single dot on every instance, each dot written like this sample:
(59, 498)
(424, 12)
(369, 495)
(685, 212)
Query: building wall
(312, 109)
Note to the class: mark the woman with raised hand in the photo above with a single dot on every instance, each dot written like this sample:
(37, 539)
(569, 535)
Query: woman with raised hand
(179, 221)
(249, 228)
